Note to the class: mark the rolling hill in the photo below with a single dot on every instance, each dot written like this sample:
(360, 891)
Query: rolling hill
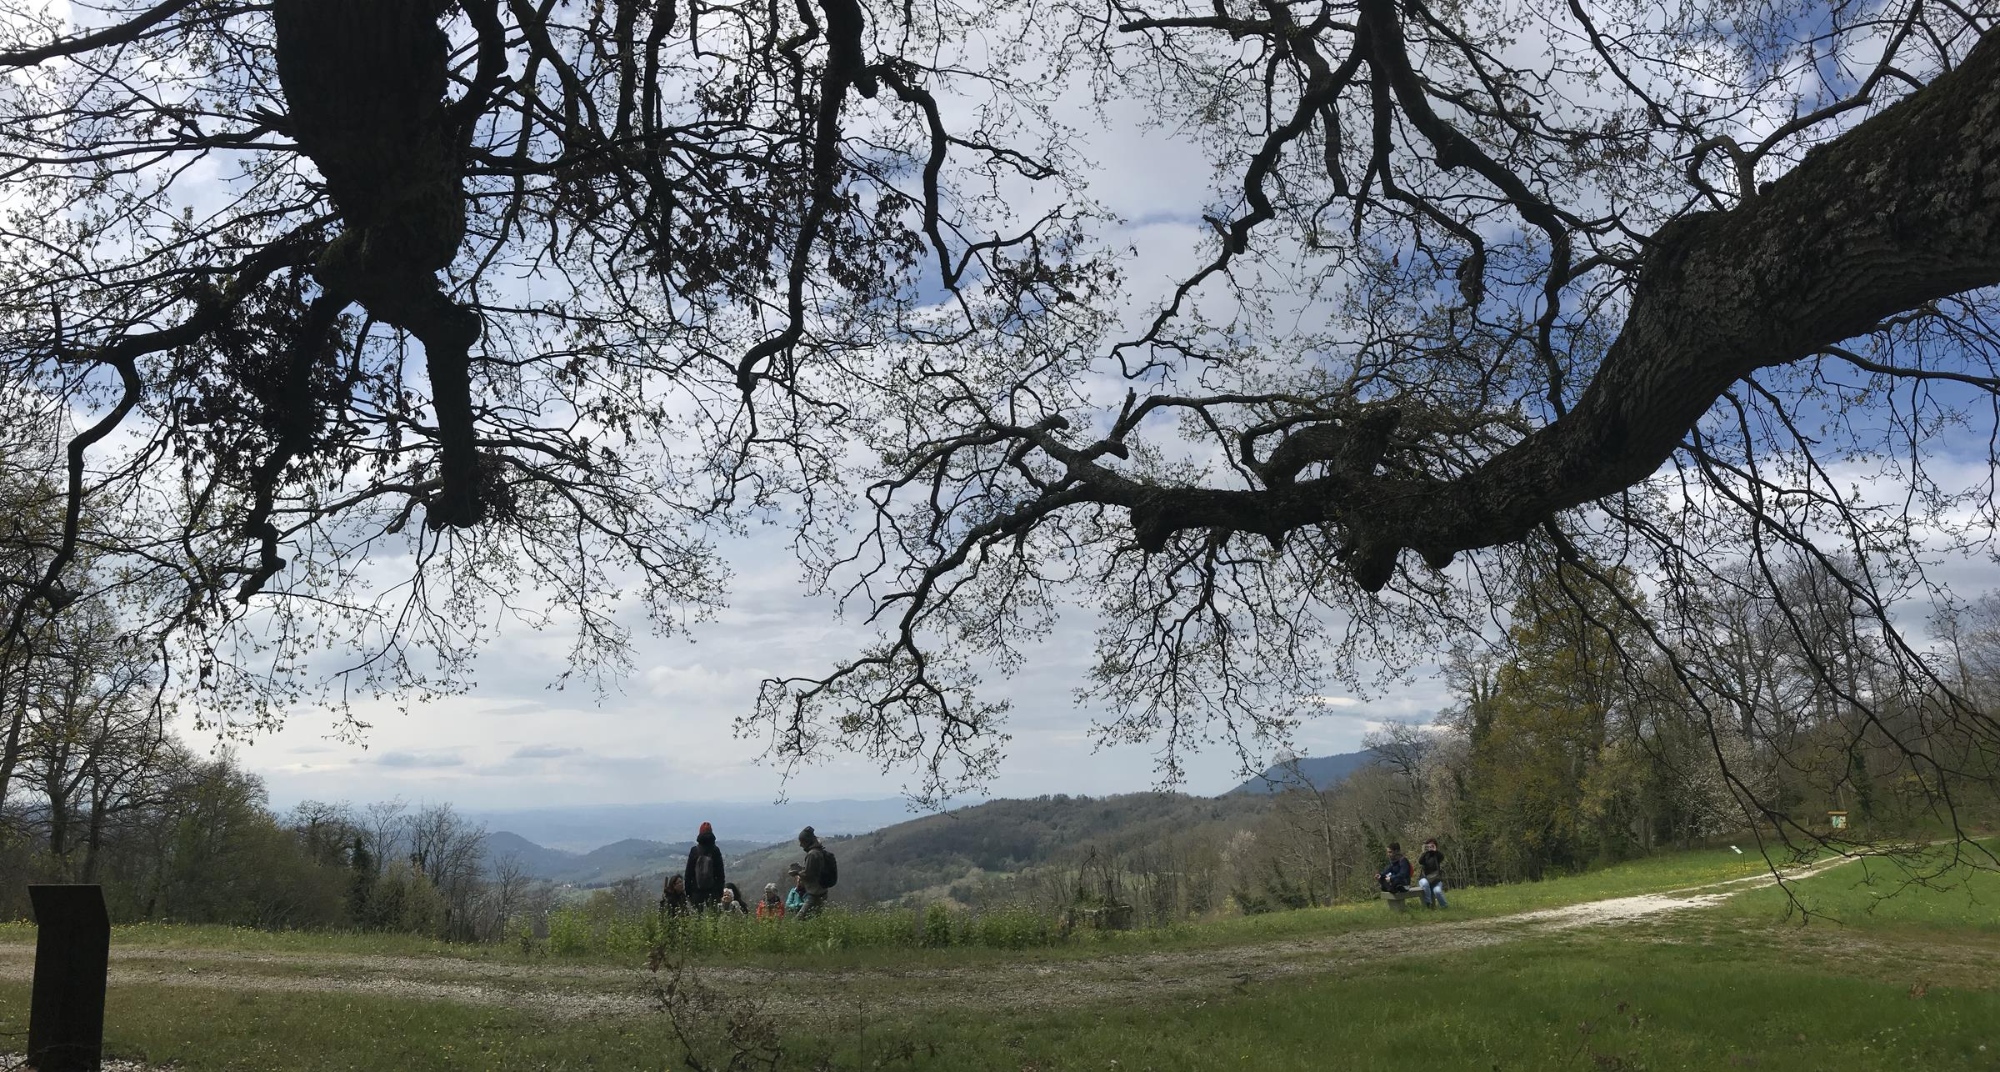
(943, 854)
(580, 829)
(601, 866)
(938, 855)
(1321, 772)
(538, 861)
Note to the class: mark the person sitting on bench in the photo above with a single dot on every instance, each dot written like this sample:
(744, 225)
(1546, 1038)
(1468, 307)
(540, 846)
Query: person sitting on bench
(1430, 884)
(1395, 878)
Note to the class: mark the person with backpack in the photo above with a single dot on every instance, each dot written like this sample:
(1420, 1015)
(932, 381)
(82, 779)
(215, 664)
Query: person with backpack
(1395, 877)
(704, 871)
(818, 876)
(1430, 885)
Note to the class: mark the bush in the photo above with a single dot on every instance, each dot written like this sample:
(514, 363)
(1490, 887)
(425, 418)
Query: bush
(937, 925)
(569, 933)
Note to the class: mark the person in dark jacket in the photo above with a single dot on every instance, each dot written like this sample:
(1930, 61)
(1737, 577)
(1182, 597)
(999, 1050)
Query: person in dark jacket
(810, 877)
(1430, 879)
(704, 871)
(1395, 878)
(674, 897)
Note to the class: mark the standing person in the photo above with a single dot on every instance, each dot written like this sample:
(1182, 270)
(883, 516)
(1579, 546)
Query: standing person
(1430, 886)
(795, 898)
(818, 875)
(1395, 877)
(773, 904)
(674, 897)
(704, 871)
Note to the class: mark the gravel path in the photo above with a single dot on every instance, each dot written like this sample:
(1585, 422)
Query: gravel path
(571, 991)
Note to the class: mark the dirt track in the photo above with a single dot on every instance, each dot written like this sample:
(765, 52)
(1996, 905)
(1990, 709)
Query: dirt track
(580, 991)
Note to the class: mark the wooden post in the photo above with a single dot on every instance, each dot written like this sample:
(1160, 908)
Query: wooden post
(72, 957)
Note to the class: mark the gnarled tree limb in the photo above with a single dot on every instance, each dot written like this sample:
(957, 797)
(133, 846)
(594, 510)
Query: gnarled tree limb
(1902, 210)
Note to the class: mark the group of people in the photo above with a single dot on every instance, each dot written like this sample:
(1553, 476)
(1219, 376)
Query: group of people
(1395, 877)
(703, 885)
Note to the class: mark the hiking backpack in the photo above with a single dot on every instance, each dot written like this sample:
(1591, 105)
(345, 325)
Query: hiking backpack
(705, 878)
(829, 869)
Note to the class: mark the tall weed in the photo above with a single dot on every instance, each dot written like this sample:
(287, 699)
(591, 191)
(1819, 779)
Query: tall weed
(575, 931)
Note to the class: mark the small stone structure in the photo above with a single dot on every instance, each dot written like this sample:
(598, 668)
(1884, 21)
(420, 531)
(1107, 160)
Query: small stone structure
(72, 957)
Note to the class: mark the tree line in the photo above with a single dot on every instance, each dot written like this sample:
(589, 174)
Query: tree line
(1580, 738)
(1577, 739)
(184, 837)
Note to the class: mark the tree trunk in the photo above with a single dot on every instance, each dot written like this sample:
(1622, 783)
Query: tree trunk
(365, 81)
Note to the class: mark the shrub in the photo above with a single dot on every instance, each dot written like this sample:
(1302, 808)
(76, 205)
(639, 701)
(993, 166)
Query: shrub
(569, 933)
(937, 925)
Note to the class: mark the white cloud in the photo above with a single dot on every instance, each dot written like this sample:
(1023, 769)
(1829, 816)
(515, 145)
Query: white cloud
(419, 760)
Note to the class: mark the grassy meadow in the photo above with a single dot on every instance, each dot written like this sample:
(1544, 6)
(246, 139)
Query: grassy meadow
(1869, 981)
(898, 935)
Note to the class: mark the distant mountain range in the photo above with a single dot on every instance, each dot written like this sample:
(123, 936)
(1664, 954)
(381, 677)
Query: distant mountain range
(887, 852)
(932, 855)
(600, 866)
(591, 828)
(1320, 772)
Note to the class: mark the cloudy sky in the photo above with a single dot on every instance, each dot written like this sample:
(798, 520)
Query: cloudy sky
(666, 734)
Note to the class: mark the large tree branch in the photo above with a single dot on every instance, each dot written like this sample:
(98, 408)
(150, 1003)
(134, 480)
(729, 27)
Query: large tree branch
(122, 34)
(1902, 210)
(365, 82)
(846, 67)
(122, 356)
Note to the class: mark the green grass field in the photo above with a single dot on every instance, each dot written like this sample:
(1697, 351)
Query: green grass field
(1938, 892)
(898, 936)
(1900, 982)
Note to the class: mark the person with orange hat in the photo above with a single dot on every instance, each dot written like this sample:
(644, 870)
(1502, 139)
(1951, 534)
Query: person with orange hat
(704, 875)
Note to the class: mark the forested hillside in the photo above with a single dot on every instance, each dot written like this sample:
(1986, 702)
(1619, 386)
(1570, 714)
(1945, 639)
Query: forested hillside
(1308, 772)
(539, 861)
(975, 854)
(598, 867)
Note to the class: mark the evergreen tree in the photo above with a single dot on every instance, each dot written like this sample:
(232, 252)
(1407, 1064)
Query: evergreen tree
(361, 885)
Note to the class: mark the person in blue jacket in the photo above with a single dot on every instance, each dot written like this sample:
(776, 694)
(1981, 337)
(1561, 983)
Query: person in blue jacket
(795, 901)
(1395, 878)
